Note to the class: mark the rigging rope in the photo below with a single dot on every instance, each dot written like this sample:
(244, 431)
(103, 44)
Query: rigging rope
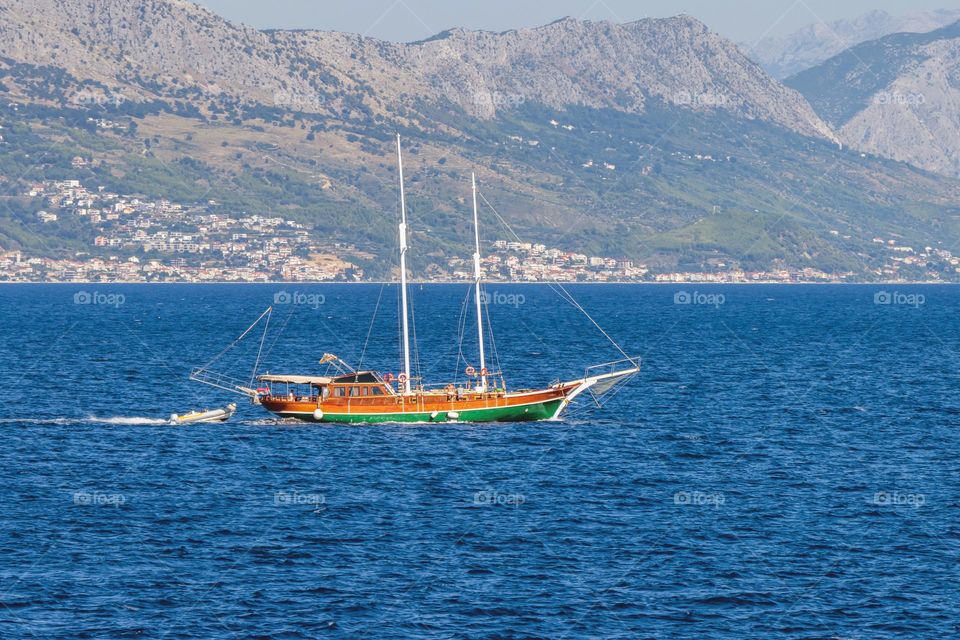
(569, 298)
(276, 337)
(496, 354)
(370, 330)
(416, 349)
(461, 329)
(400, 327)
(234, 343)
(263, 338)
(576, 304)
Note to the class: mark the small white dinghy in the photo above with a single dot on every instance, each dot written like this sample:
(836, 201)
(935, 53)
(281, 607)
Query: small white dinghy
(213, 415)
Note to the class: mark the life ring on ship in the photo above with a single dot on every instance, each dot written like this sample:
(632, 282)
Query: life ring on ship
(470, 371)
(402, 378)
(388, 378)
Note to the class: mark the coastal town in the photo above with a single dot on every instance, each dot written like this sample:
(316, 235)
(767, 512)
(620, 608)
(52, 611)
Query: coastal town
(142, 240)
(136, 239)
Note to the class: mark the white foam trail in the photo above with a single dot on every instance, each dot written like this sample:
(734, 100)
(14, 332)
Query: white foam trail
(126, 420)
(273, 422)
(118, 420)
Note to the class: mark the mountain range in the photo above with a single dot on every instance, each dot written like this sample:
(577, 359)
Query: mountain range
(785, 56)
(657, 140)
(897, 97)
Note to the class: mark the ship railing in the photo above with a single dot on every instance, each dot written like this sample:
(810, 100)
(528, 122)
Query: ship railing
(606, 380)
(614, 366)
(445, 386)
(223, 381)
(462, 388)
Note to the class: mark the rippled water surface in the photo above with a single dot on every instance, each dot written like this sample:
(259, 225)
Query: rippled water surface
(785, 466)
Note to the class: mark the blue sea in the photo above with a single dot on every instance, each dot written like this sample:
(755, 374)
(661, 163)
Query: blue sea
(784, 466)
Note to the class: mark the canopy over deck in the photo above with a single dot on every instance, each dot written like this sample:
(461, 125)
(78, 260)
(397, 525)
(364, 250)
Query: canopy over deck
(295, 379)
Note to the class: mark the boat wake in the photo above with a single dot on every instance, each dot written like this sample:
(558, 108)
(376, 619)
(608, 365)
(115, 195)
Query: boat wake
(126, 420)
(115, 420)
(273, 422)
(47, 421)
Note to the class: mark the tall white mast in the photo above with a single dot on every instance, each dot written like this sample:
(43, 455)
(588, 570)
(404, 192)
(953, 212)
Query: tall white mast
(476, 283)
(403, 273)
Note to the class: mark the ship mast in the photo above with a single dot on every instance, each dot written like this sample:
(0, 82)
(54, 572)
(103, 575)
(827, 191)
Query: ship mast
(403, 274)
(476, 284)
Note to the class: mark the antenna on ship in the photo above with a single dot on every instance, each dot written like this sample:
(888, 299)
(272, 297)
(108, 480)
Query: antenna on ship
(403, 273)
(476, 283)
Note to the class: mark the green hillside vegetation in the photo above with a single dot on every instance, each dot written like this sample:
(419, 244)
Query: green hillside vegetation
(757, 194)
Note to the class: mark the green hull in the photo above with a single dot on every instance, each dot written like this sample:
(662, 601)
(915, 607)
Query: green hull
(525, 413)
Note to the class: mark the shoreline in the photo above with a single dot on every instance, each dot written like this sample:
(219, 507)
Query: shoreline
(486, 283)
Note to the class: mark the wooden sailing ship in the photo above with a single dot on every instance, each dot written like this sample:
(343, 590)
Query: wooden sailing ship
(350, 396)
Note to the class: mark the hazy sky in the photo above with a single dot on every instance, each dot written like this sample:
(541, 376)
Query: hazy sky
(405, 20)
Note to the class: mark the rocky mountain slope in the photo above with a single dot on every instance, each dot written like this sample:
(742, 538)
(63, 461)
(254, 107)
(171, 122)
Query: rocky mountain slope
(175, 44)
(785, 56)
(897, 97)
(656, 140)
